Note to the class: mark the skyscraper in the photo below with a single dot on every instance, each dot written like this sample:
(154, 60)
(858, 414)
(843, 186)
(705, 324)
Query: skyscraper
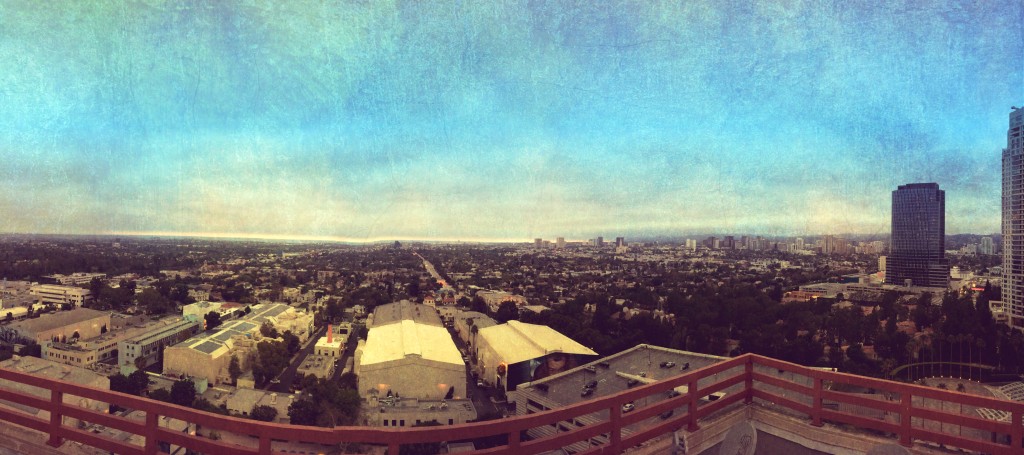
(918, 254)
(986, 246)
(1013, 220)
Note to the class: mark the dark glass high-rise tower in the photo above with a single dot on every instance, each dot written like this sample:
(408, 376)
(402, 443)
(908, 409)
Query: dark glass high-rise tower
(1013, 220)
(918, 253)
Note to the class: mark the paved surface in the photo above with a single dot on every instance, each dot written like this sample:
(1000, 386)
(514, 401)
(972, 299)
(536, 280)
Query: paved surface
(288, 375)
(481, 396)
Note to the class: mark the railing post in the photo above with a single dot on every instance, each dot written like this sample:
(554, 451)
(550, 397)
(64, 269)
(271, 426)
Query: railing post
(692, 388)
(906, 405)
(513, 440)
(265, 444)
(749, 372)
(1017, 430)
(56, 417)
(816, 402)
(615, 434)
(152, 425)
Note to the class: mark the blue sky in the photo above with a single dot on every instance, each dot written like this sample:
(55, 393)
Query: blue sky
(500, 120)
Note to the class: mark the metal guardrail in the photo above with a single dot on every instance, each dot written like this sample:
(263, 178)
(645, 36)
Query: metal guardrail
(910, 408)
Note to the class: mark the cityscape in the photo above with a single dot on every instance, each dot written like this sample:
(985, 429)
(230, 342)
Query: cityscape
(511, 227)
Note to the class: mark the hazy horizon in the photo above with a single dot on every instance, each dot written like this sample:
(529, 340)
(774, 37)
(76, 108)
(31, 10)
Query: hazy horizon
(500, 120)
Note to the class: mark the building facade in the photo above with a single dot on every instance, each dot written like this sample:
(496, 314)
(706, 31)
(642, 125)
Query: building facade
(60, 295)
(1013, 220)
(918, 253)
(149, 345)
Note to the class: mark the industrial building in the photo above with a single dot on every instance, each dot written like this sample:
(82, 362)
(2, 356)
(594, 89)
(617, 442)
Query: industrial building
(79, 323)
(515, 352)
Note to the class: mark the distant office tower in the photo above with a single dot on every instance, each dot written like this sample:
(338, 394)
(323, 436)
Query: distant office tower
(829, 245)
(600, 241)
(620, 241)
(691, 244)
(986, 246)
(1013, 220)
(882, 263)
(560, 242)
(537, 243)
(800, 243)
(729, 242)
(918, 255)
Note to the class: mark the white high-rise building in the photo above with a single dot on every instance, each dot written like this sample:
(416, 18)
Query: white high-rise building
(986, 246)
(1013, 220)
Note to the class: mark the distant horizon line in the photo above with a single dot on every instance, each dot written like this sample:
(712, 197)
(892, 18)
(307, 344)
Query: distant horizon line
(381, 239)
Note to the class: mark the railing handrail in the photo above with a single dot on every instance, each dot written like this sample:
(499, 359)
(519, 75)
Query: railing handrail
(745, 374)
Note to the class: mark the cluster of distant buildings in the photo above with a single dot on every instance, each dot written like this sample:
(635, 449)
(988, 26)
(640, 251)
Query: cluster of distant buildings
(560, 243)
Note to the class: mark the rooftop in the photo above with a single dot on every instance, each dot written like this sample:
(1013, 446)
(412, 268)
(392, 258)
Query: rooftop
(409, 338)
(405, 310)
(59, 319)
(516, 341)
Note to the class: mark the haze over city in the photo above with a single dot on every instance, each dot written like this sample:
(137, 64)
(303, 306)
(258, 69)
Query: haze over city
(491, 121)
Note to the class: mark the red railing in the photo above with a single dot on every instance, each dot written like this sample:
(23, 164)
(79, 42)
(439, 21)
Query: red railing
(908, 413)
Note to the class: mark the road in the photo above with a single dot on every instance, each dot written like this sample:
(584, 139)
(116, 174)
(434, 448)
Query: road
(430, 268)
(288, 375)
(481, 396)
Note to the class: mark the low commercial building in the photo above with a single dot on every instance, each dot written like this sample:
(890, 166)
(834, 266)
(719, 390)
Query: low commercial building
(408, 412)
(201, 308)
(76, 278)
(332, 345)
(515, 352)
(321, 366)
(244, 399)
(79, 323)
(108, 347)
(60, 295)
(149, 345)
(494, 299)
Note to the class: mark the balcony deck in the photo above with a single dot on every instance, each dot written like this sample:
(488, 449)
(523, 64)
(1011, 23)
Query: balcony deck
(793, 399)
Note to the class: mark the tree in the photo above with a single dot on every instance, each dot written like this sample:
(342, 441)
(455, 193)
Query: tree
(183, 392)
(272, 359)
(161, 395)
(264, 413)
(303, 412)
(268, 330)
(508, 311)
(212, 320)
(152, 302)
(234, 369)
(291, 342)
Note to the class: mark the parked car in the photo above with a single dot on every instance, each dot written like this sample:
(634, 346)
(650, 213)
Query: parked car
(667, 364)
(586, 392)
(628, 407)
(591, 384)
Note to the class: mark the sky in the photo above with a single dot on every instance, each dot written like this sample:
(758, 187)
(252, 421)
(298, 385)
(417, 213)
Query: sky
(500, 120)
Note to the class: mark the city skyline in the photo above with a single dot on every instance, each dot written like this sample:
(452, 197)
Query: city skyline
(499, 122)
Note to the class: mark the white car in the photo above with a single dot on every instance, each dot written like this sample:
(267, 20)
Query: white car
(627, 407)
